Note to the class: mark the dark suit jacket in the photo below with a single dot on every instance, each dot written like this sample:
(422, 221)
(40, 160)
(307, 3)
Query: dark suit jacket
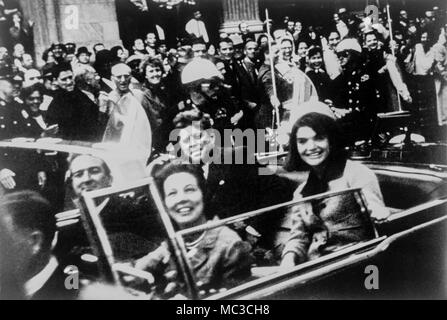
(237, 188)
(76, 115)
(248, 84)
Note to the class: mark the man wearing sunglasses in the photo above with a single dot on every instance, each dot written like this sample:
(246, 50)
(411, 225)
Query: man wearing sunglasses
(204, 86)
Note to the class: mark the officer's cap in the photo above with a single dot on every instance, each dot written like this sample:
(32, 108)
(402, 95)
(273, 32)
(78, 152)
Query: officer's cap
(349, 44)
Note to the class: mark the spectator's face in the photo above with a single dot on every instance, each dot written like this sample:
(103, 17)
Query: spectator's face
(312, 148)
(403, 14)
(333, 39)
(264, 42)
(166, 66)
(19, 50)
(298, 26)
(151, 39)
(226, 49)
(121, 75)
(424, 37)
(153, 75)
(92, 79)
(302, 49)
(316, 61)
(162, 48)
(65, 81)
(251, 49)
(27, 61)
(88, 173)
(138, 45)
(58, 53)
(17, 85)
(123, 55)
(291, 26)
(31, 77)
(50, 83)
(336, 18)
(371, 42)
(84, 58)
(286, 50)
(199, 50)
(50, 57)
(244, 28)
(34, 100)
(195, 144)
(184, 199)
(197, 15)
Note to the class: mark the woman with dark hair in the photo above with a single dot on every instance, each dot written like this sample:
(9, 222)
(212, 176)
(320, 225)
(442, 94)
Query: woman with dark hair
(158, 103)
(218, 257)
(321, 227)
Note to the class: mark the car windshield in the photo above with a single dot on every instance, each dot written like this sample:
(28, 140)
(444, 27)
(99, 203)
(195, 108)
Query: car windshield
(132, 232)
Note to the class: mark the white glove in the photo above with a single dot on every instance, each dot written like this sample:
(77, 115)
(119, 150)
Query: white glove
(7, 179)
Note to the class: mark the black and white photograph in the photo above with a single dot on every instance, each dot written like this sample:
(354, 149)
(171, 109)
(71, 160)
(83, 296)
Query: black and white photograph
(250, 150)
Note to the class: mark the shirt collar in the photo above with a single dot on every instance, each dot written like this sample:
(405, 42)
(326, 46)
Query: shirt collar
(38, 281)
(206, 170)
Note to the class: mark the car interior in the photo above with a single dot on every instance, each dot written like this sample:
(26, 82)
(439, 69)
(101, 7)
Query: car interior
(105, 243)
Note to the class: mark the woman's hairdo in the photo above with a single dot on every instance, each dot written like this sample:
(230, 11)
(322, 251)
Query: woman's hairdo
(187, 118)
(175, 167)
(151, 62)
(323, 125)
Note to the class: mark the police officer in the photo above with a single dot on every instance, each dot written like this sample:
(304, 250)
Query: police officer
(355, 100)
(204, 86)
(11, 120)
(19, 169)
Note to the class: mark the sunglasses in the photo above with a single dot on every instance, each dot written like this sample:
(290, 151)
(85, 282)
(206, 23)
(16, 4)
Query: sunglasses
(209, 85)
(343, 54)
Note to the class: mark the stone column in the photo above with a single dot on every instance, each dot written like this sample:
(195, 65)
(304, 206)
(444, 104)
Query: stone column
(235, 11)
(82, 22)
